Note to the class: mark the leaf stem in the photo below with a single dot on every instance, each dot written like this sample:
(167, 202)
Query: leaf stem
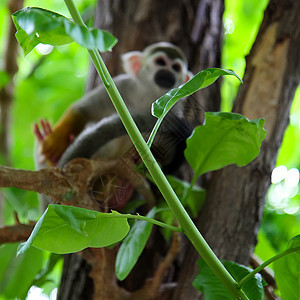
(266, 263)
(143, 218)
(159, 178)
(153, 132)
(189, 190)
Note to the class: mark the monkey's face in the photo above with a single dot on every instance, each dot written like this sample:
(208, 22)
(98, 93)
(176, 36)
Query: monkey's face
(167, 71)
(163, 72)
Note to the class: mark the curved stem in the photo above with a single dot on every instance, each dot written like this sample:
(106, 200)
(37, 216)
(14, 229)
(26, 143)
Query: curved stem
(266, 263)
(159, 178)
(154, 132)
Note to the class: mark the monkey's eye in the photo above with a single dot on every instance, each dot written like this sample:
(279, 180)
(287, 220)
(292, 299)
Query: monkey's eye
(176, 67)
(160, 61)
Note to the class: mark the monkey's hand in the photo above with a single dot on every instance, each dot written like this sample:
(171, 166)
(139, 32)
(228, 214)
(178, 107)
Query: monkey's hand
(52, 142)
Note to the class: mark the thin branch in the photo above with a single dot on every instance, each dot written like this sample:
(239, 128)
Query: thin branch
(16, 233)
(153, 286)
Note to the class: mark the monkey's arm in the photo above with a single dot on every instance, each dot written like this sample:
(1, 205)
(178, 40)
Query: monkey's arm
(90, 141)
(168, 145)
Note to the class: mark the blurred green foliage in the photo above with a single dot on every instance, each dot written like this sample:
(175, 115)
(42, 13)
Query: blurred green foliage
(44, 86)
(241, 21)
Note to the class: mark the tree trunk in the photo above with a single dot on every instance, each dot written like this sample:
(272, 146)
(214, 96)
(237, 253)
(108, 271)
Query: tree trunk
(233, 210)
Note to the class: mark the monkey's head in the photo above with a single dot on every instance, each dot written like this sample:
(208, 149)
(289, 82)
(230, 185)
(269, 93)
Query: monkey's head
(160, 66)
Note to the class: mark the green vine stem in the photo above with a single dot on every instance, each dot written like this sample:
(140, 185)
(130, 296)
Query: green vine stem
(265, 264)
(159, 178)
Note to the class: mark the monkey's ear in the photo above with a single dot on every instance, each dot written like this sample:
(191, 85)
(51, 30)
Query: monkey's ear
(132, 62)
(188, 76)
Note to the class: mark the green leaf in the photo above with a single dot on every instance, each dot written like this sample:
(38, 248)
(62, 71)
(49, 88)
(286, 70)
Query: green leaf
(226, 138)
(287, 276)
(294, 242)
(195, 199)
(165, 215)
(66, 229)
(201, 80)
(287, 272)
(213, 289)
(37, 25)
(42, 277)
(132, 246)
(18, 273)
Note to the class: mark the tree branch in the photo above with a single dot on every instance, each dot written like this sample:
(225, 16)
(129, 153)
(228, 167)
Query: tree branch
(16, 233)
(74, 184)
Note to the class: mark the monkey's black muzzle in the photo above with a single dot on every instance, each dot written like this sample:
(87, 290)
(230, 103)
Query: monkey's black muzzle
(165, 79)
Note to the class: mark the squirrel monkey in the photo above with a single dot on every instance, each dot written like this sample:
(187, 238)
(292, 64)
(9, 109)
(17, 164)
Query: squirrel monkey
(148, 75)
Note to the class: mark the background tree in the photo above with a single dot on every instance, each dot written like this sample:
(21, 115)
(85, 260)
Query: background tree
(234, 204)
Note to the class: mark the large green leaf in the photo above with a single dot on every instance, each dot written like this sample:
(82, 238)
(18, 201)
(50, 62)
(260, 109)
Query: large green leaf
(224, 139)
(43, 276)
(36, 25)
(287, 272)
(132, 246)
(213, 289)
(18, 273)
(201, 80)
(287, 275)
(66, 229)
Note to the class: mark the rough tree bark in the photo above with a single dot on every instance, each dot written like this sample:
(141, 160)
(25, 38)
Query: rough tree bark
(233, 210)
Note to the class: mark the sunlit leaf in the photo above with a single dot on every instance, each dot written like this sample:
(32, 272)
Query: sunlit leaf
(201, 80)
(132, 246)
(224, 139)
(212, 288)
(66, 229)
(37, 25)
